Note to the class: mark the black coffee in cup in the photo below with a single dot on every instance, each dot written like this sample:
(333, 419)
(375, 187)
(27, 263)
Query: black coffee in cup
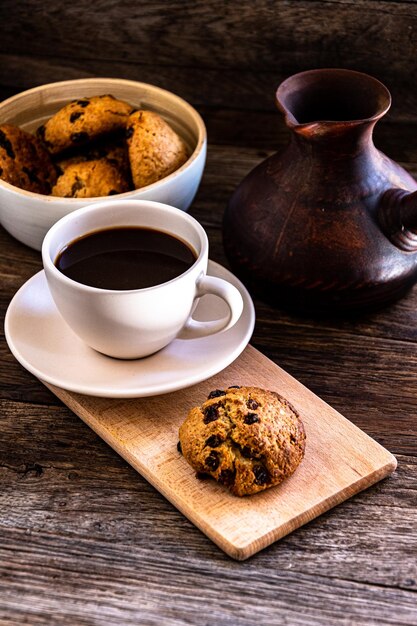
(125, 258)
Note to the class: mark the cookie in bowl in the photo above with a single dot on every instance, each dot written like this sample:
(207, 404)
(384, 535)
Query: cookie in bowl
(82, 121)
(24, 162)
(90, 179)
(246, 438)
(155, 149)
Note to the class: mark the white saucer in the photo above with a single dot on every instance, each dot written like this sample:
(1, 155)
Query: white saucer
(45, 345)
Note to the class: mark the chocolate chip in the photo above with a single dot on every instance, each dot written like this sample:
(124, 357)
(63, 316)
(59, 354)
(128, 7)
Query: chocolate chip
(83, 103)
(79, 184)
(247, 452)
(261, 475)
(213, 461)
(227, 477)
(179, 447)
(214, 441)
(6, 144)
(74, 116)
(79, 137)
(1, 171)
(251, 418)
(31, 175)
(41, 134)
(202, 476)
(211, 413)
(252, 404)
(129, 132)
(216, 393)
(112, 192)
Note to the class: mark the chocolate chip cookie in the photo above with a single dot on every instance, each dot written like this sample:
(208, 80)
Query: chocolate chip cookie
(90, 179)
(82, 121)
(155, 149)
(246, 438)
(24, 162)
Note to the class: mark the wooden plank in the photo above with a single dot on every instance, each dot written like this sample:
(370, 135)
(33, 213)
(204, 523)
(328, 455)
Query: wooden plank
(202, 87)
(215, 85)
(67, 578)
(340, 460)
(266, 131)
(194, 34)
(169, 594)
(182, 46)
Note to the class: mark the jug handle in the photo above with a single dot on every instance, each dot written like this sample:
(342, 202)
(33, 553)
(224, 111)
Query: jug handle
(397, 216)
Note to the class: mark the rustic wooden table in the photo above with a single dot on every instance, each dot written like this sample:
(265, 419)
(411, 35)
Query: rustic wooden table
(84, 539)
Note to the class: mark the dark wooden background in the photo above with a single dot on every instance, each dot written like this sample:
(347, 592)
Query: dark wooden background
(85, 540)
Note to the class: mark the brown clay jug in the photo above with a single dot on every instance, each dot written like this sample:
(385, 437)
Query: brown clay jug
(328, 223)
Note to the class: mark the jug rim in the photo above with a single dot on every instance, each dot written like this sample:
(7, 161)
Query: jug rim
(370, 86)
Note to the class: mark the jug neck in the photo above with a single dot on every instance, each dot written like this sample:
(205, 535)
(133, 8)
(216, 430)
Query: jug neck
(334, 110)
(335, 141)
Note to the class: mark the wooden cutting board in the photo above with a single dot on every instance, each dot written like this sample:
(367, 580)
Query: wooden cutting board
(340, 459)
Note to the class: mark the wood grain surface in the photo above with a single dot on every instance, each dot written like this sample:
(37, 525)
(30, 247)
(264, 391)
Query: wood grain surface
(84, 539)
(212, 53)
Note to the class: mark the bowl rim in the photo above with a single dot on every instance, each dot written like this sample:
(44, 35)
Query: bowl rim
(200, 146)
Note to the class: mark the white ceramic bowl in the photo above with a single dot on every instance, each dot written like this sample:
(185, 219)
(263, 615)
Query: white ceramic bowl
(28, 216)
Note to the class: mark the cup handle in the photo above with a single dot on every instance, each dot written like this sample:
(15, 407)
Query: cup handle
(225, 291)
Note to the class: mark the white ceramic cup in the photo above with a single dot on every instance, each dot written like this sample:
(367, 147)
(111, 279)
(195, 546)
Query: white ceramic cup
(136, 323)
